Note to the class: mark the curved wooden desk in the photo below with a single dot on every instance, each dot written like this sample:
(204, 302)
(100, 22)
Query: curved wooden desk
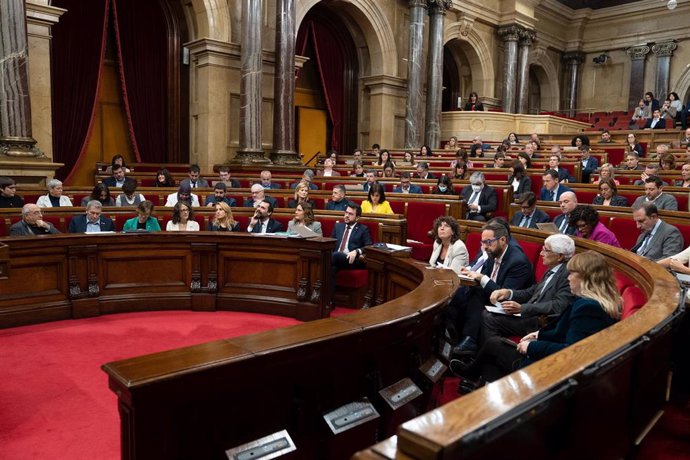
(74, 276)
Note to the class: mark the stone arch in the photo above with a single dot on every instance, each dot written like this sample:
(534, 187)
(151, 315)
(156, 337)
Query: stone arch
(547, 75)
(210, 19)
(478, 54)
(682, 86)
(370, 21)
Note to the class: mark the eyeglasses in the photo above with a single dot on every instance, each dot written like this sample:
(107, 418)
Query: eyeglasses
(546, 251)
(489, 241)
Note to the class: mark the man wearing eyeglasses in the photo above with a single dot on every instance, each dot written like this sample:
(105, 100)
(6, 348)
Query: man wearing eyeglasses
(32, 223)
(506, 268)
(529, 216)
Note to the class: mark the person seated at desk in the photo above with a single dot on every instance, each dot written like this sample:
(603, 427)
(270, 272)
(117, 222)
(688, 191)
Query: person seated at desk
(304, 217)
(8, 194)
(606, 171)
(650, 170)
(357, 169)
(528, 216)
(184, 193)
(224, 177)
(118, 179)
(101, 193)
(262, 222)
(92, 221)
(605, 137)
(406, 186)
(117, 159)
(552, 189)
(608, 194)
(656, 122)
(376, 201)
(223, 221)
(308, 177)
(480, 198)
(423, 171)
(499, 159)
(519, 179)
(684, 180)
(182, 218)
(328, 170)
(301, 196)
(267, 180)
(32, 223)
(370, 176)
(588, 162)
(219, 195)
(654, 193)
(338, 201)
(258, 195)
(586, 220)
(449, 250)
(563, 174)
(194, 180)
(351, 240)
(444, 186)
(657, 239)
(164, 178)
(596, 306)
(568, 202)
(389, 169)
(144, 221)
(54, 198)
(129, 195)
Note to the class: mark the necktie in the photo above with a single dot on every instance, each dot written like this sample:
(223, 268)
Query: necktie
(642, 247)
(472, 198)
(564, 224)
(553, 196)
(525, 221)
(547, 275)
(494, 272)
(343, 243)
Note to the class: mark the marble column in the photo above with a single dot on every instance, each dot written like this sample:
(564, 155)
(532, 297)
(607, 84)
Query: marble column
(572, 61)
(637, 54)
(413, 113)
(284, 85)
(434, 78)
(250, 150)
(510, 36)
(15, 103)
(663, 52)
(526, 39)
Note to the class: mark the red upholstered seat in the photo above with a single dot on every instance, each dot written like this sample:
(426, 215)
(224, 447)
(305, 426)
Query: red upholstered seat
(420, 220)
(622, 281)
(625, 230)
(633, 299)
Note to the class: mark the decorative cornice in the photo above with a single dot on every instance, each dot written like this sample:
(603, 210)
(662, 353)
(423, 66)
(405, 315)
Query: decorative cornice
(527, 37)
(638, 52)
(664, 49)
(466, 24)
(510, 33)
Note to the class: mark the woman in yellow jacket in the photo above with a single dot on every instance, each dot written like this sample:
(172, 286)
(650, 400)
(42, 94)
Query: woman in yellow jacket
(376, 201)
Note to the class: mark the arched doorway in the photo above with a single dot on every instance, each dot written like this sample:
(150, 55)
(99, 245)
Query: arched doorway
(534, 105)
(327, 83)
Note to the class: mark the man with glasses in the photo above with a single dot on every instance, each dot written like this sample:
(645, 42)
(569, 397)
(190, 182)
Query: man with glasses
(529, 216)
(8, 194)
(480, 199)
(505, 268)
(32, 223)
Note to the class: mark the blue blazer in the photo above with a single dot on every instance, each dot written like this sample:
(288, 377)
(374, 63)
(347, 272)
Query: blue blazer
(515, 272)
(413, 189)
(228, 200)
(359, 236)
(545, 195)
(538, 217)
(273, 226)
(78, 224)
(558, 220)
(661, 124)
(337, 206)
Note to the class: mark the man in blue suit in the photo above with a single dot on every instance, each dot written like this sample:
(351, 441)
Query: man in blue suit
(351, 240)
(506, 268)
(405, 185)
(589, 164)
(552, 189)
(529, 216)
(262, 222)
(92, 221)
(338, 201)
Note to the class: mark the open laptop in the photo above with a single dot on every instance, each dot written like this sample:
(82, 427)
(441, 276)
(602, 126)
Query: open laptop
(548, 227)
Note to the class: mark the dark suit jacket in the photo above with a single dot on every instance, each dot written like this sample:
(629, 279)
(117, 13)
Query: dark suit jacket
(554, 300)
(525, 185)
(272, 227)
(413, 189)
(22, 229)
(110, 181)
(538, 217)
(564, 174)
(337, 206)
(78, 224)
(545, 195)
(616, 200)
(666, 242)
(515, 272)
(200, 182)
(212, 199)
(487, 198)
(661, 124)
(359, 236)
(592, 165)
(558, 220)
(249, 203)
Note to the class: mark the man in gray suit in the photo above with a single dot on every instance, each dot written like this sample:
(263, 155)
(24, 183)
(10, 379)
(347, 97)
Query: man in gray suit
(653, 193)
(658, 239)
(32, 223)
(195, 181)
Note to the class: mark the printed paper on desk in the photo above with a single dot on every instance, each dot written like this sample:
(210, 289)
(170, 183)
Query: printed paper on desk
(498, 308)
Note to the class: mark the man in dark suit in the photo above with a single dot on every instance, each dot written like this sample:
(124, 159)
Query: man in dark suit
(258, 195)
(32, 223)
(480, 199)
(405, 185)
(656, 122)
(194, 180)
(552, 189)
(351, 240)
(266, 180)
(308, 177)
(219, 195)
(423, 171)
(589, 163)
(568, 204)
(563, 174)
(658, 239)
(224, 176)
(338, 201)
(529, 216)
(118, 179)
(92, 221)
(505, 268)
(262, 222)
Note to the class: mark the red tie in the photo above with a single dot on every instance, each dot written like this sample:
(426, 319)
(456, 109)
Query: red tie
(343, 243)
(495, 270)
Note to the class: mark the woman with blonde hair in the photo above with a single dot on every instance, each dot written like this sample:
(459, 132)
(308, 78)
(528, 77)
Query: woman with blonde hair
(606, 171)
(301, 196)
(223, 220)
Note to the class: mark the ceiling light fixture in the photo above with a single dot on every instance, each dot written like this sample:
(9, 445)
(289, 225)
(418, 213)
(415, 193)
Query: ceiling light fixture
(672, 4)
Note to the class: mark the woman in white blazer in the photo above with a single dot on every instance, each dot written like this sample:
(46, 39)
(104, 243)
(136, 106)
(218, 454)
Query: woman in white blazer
(54, 197)
(449, 249)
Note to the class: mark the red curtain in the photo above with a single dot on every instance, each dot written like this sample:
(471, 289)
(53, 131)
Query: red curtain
(329, 60)
(78, 48)
(141, 35)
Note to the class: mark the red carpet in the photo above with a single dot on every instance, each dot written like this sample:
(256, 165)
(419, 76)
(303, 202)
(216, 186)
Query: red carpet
(54, 398)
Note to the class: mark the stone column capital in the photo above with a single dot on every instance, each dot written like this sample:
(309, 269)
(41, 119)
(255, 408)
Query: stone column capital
(510, 33)
(417, 3)
(664, 48)
(527, 37)
(574, 57)
(439, 6)
(638, 52)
